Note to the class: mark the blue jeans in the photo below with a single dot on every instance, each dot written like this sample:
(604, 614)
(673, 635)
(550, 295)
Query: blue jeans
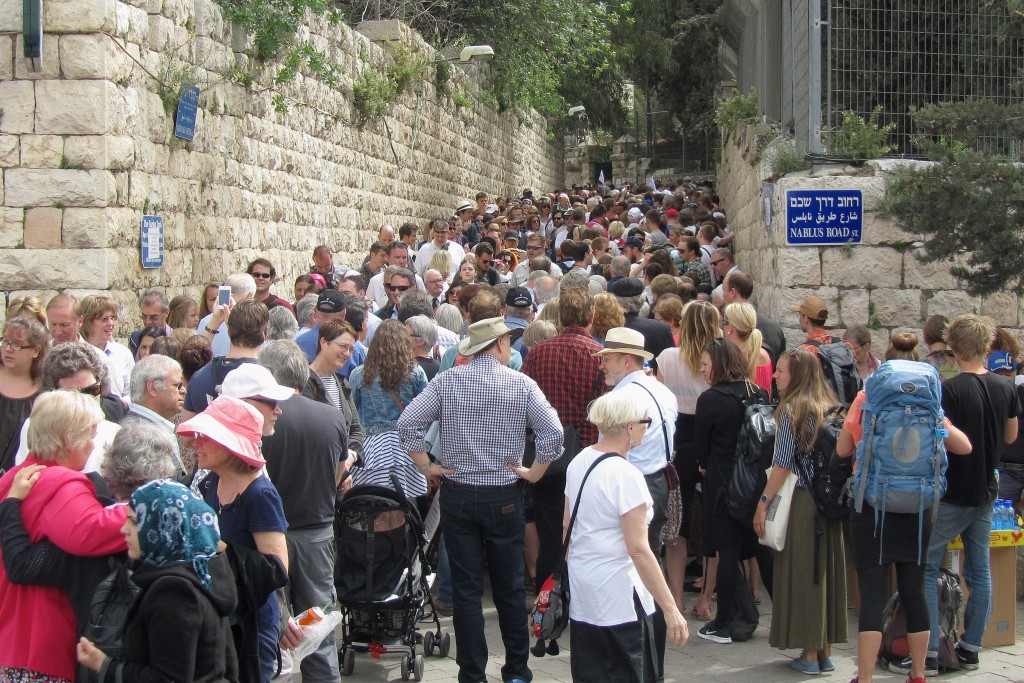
(973, 524)
(444, 573)
(486, 522)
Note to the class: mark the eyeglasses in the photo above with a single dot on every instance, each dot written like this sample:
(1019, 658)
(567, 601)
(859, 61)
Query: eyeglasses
(265, 401)
(531, 247)
(715, 263)
(397, 288)
(92, 390)
(108, 319)
(347, 348)
(485, 262)
(646, 422)
(14, 346)
(177, 386)
(266, 276)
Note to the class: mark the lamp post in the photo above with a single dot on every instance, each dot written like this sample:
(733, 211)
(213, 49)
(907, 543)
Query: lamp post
(472, 53)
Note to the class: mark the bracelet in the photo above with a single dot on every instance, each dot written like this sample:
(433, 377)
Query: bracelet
(211, 331)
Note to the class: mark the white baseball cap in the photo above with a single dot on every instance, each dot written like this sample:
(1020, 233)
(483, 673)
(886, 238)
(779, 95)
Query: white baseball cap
(252, 380)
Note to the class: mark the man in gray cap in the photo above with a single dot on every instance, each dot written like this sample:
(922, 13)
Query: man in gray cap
(482, 486)
(519, 310)
(657, 335)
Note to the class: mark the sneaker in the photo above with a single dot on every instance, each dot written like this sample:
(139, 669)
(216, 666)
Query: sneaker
(714, 633)
(915, 680)
(826, 664)
(968, 659)
(931, 667)
(805, 667)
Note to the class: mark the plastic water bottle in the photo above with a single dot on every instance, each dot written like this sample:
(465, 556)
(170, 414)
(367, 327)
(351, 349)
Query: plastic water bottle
(997, 516)
(1005, 515)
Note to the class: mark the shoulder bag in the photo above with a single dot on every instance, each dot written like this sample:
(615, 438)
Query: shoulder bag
(674, 513)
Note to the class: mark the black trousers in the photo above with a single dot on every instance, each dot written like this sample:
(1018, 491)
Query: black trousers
(548, 508)
(623, 653)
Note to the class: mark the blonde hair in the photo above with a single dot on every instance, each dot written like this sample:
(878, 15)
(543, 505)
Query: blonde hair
(902, 346)
(27, 307)
(92, 307)
(441, 261)
(743, 318)
(615, 411)
(550, 313)
(61, 421)
(607, 315)
(700, 324)
(538, 331)
(970, 335)
(806, 399)
(615, 230)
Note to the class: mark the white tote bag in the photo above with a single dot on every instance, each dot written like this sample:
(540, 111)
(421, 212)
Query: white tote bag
(776, 522)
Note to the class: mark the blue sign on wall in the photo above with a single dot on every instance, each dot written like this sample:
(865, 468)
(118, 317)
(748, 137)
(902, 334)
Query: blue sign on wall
(185, 120)
(152, 242)
(824, 217)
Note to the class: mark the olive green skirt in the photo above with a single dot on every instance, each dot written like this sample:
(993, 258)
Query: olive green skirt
(806, 615)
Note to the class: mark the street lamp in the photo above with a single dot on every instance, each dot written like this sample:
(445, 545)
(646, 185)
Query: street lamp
(578, 109)
(473, 53)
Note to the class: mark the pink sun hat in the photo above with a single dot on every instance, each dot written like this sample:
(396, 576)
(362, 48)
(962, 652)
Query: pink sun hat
(232, 423)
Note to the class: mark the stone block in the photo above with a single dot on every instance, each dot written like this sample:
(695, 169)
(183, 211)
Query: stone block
(934, 275)
(12, 228)
(877, 266)
(132, 23)
(951, 304)
(19, 105)
(100, 151)
(46, 187)
(93, 56)
(794, 296)
(896, 307)
(799, 266)
(79, 16)
(10, 151)
(34, 268)
(95, 228)
(51, 61)
(6, 54)
(853, 307)
(41, 151)
(161, 29)
(1001, 307)
(76, 107)
(43, 228)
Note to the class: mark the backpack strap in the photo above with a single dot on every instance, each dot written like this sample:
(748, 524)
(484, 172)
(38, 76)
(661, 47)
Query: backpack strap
(664, 427)
(579, 497)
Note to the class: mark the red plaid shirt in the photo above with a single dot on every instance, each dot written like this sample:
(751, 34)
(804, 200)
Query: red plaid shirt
(565, 369)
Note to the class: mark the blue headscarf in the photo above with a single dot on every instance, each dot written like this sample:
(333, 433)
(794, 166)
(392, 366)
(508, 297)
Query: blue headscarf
(175, 526)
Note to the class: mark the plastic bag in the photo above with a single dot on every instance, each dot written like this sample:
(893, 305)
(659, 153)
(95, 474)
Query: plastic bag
(315, 627)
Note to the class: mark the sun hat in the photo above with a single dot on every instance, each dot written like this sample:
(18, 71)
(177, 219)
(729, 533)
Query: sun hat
(252, 380)
(463, 205)
(232, 423)
(624, 340)
(481, 334)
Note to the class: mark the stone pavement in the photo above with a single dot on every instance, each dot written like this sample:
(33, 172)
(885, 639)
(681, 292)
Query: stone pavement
(702, 660)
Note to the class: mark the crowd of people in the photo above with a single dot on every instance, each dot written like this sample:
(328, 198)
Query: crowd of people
(534, 336)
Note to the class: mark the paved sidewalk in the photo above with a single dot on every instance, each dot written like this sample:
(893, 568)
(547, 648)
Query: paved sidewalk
(701, 660)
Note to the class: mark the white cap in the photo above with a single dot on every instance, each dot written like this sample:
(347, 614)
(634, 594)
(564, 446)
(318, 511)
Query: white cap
(635, 213)
(252, 380)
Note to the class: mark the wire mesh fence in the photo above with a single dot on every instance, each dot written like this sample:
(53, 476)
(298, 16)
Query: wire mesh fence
(907, 54)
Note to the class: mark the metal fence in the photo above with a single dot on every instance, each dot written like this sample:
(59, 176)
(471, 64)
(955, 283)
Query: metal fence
(907, 54)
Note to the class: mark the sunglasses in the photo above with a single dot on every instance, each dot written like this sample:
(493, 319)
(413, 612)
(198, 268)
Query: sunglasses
(92, 390)
(715, 263)
(646, 422)
(262, 276)
(265, 401)
(397, 288)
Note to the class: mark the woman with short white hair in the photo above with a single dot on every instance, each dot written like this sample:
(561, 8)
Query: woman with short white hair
(614, 575)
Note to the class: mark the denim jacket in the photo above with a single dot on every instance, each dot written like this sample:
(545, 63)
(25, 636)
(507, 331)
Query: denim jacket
(378, 411)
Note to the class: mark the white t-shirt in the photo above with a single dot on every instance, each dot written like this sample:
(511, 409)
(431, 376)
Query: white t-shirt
(120, 363)
(683, 382)
(601, 573)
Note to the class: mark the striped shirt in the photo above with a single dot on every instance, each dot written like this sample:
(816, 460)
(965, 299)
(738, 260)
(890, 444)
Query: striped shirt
(484, 409)
(785, 448)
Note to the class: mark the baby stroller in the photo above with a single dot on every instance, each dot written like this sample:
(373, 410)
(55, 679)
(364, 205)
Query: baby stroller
(382, 579)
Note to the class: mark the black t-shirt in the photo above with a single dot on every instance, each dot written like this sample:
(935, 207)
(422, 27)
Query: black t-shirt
(309, 440)
(202, 388)
(429, 365)
(1014, 452)
(979, 405)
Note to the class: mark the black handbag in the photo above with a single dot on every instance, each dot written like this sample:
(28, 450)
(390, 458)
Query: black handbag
(556, 616)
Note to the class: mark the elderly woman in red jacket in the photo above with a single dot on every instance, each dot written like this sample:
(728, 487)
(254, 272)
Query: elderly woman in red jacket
(38, 628)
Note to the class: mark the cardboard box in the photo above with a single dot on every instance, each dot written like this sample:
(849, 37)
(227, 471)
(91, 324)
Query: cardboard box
(1001, 628)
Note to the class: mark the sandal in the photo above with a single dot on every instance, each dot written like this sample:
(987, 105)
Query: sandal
(699, 616)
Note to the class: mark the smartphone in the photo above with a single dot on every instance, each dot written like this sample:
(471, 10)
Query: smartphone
(223, 295)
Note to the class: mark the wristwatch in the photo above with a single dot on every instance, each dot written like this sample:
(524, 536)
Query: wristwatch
(764, 499)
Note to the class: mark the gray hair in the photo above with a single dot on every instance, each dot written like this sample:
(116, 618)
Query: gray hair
(413, 303)
(450, 318)
(282, 324)
(304, 310)
(140, 453)
(424, 328)
(545, 289)
(286, 361)
(403, 273)
(574, 279)
(153, 367)
(155, 296)
(68, 358)
(600, 283)
(242, 285)
(522, 313)
(724, 252)
(631, 304)
(538, 331)
(620, 266)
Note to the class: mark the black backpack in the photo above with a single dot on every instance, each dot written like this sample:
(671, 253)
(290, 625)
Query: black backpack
(828, 487)
(895, 647)
(840, 368)
(110, 604)
(755, 447)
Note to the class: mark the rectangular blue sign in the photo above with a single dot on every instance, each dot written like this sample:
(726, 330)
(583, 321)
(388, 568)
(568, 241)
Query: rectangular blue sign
(185, 120)
(824, 217)
(152, 242)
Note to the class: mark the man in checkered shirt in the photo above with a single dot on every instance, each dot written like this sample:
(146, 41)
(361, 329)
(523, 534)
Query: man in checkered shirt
(484, 409)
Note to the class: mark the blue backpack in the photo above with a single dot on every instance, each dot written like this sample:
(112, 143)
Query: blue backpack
(901, 460)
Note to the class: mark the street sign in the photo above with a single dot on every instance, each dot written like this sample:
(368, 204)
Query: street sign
(185, 120)
(824, 217)
(152, 242)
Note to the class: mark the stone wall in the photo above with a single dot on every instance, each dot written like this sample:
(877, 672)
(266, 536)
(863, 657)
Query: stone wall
(879, 283)
(86, 147)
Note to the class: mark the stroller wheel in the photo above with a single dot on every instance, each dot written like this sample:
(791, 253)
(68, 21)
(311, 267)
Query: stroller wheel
(405, 667)
(444, 644)
(428, 643)
(348, 663)
(417, 668)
